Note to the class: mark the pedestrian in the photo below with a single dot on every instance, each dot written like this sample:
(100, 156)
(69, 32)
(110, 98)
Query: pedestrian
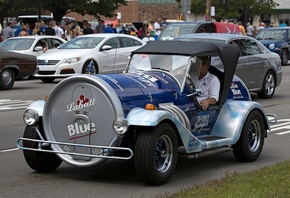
(262, 26)
(59, 30)
(164, 23)
(42, 28)
(16, 28)
(24, 31)
(243, 31)
(157, 27)
(36, 29)
(144, 30)
(100, 27)
(250, 30)
(87, 29)
(283, 24)
(50, 30)
(109, 29)
(68, 32)
(8, 32)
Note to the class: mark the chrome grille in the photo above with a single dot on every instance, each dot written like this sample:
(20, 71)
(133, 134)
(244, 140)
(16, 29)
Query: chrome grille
(47, 62)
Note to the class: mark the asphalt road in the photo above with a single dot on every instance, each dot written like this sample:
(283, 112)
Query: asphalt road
(118, 178)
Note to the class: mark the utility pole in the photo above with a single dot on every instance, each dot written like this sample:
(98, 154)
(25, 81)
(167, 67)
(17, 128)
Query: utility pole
(207, 11)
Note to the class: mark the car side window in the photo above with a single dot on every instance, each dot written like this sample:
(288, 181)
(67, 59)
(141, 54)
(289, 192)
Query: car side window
(114, 43)
(128, 42)
(55, 42)
(250, 47)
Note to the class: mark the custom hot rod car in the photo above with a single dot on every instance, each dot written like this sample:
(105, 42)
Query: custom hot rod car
(148, 113)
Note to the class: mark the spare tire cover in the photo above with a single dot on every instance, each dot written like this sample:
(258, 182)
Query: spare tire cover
(81, 110)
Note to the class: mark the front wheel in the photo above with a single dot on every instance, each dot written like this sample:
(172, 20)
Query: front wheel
(284, 57)
(250, 144)
(156, 154)
(7, 79)
(268, 87)
(90, 69)
(38, 161)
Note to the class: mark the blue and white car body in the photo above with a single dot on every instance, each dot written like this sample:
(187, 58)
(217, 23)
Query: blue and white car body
(149, 112)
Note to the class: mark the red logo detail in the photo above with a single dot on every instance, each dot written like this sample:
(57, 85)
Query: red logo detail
(82, 100)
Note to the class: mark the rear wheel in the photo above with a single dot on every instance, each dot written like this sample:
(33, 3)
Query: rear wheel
(47, 79)
(156, 154)
(250, 144)
(284, 57)
(269, 86)
(7, 79)
(38, 161)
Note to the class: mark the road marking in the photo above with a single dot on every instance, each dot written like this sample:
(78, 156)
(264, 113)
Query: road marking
(281, 127)
(9, 150)
(8, 104)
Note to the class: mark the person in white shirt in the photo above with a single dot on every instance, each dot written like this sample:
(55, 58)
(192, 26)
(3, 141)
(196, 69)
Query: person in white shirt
(208, 83)
(250, 30)
(157, 27)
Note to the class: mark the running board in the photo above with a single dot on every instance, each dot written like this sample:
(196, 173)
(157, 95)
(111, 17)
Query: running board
(204, 153)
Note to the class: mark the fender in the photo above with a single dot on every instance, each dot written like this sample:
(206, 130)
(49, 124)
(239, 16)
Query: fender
(154, 117)
(232, 117)
(38, 106)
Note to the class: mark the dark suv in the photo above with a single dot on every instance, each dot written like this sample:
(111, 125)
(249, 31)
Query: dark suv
(276, 39)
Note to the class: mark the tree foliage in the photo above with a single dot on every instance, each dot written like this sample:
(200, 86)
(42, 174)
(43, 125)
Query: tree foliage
(12, 8)
(59, 8)
(233, 9)
(91, 7)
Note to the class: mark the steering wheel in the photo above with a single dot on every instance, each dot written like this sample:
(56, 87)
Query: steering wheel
(191, 88)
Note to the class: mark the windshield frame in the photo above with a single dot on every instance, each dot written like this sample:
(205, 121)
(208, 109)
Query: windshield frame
(176, 66)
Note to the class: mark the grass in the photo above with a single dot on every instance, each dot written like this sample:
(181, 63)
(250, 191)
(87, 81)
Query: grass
(272, 182)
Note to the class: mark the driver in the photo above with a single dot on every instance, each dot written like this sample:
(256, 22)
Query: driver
(207, 82)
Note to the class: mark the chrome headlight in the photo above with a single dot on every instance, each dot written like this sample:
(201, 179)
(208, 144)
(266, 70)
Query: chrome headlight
(272, 46)
(72, 60)
(120, 126)
(30, 117)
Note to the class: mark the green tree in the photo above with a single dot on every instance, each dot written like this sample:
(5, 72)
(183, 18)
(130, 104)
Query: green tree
(93, 7)
(13, 8)
(230, 9)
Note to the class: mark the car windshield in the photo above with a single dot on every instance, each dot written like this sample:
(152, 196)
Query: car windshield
(175, 30)
(17, 44)
(82, 43)
(271, 34)
(176, 65)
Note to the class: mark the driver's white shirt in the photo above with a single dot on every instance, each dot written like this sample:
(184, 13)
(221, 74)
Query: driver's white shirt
(210, 85)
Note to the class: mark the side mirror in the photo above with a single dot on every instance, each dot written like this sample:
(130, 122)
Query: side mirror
(106, 47)
(38, 48)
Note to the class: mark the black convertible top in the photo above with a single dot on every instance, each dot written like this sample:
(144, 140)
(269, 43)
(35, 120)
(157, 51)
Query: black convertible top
(228, 53)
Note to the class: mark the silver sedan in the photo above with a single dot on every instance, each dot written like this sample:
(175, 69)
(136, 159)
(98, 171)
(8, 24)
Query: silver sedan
(258, 67)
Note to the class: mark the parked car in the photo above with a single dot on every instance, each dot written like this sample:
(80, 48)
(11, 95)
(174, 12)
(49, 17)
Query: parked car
(276, 39)
(150, 112)
(32, 45)
(93, 53)
(175, 29)
(14, 65)
(259, 68)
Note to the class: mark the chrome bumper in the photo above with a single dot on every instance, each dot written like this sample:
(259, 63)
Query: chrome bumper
(107, 152)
